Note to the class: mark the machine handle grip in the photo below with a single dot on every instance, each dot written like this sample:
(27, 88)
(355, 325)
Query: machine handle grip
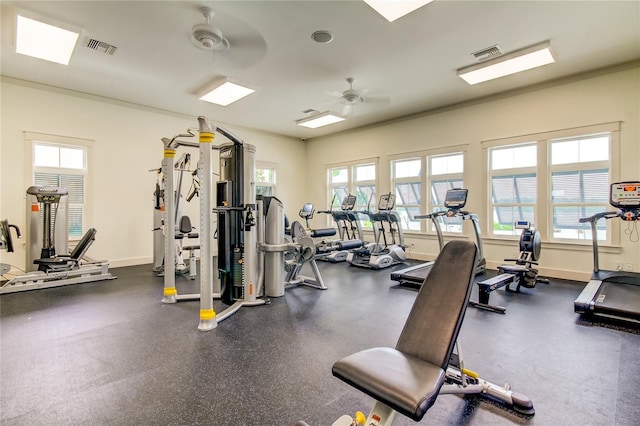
(598, 216)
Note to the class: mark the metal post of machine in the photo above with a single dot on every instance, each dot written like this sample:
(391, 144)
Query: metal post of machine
(170, 292)
(250, 240)
(207, 314)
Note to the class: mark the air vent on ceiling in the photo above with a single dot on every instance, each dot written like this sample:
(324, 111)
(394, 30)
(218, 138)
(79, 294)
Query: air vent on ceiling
(309, 111)
(487, 53)
(101, 46)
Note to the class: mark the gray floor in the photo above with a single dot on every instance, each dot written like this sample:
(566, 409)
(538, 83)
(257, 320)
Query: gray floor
(110, 353)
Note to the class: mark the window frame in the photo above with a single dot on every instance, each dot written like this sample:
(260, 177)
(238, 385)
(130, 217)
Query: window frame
(351, 184)
(32, 139)
(426, 179)
(262, 165)
(543, 210)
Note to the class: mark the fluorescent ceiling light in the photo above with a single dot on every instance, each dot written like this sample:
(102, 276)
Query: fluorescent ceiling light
(224, 92)
(521, 60)
(319, 120)
(44, 41)
(394, 9)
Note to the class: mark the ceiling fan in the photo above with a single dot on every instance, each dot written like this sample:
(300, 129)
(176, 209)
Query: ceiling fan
(207, 36)
(351, 98)
(234, 43)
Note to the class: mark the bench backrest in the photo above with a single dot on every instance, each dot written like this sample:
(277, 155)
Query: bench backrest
(432, 328)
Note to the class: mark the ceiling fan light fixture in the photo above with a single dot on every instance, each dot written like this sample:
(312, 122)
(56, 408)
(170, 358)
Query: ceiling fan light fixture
(319, 120)
(51, 41)
(221, 91)
(511, 63)
(394, 9)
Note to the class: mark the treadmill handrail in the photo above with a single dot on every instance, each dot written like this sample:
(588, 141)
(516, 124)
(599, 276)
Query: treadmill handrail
(593, 220)
(596, 217)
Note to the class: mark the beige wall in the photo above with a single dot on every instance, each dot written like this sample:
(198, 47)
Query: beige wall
(602, 98)
(126, 145)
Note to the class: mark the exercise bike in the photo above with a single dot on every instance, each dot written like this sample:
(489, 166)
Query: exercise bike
(523, 273)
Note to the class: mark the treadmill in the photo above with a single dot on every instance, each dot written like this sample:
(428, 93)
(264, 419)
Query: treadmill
(613, 294)
(454, 201)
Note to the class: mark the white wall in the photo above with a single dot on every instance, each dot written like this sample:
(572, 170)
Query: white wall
(602, 98)
(126, 145)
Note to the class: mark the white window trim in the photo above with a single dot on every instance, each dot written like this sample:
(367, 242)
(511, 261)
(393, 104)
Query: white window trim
(351, 183)
(31, 138)
(272, 166)
(543, 213)
(425, 180)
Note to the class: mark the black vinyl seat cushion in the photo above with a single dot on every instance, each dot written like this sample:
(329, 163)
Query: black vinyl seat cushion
(403, 382)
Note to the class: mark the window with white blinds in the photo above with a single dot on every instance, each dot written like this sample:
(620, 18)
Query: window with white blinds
(579, 185)
(436, 174)
(552, 180)
(64, 166)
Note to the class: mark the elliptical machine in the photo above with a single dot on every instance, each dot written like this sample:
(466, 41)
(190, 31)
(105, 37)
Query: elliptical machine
(349, 231)
(380, 255)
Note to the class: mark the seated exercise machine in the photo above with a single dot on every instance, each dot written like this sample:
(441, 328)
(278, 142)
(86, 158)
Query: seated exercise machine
(54, 269)
(6, 242)
(349, 231)
(280, 262)
(382, 254)
(455, 200)
(522, 273)
(614, 294)
(426, 361)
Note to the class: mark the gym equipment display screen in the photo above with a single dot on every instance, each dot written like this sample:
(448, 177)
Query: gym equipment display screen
(456, 198)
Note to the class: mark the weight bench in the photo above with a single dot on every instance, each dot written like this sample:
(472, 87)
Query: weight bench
(408, 378)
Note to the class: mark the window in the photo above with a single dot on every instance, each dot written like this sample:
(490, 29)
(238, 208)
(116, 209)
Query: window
(66, 166)
(358, 178)
(265, 180)
(579, 185)
(444, 172)
(513, 186)
(553, 179)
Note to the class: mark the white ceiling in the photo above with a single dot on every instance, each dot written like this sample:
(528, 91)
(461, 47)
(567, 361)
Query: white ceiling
(409, 64)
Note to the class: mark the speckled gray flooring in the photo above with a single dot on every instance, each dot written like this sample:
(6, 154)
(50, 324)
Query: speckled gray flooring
(110, 353)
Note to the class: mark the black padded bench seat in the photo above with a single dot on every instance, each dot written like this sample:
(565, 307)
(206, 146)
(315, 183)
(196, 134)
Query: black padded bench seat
(408, 378)
(405, 383)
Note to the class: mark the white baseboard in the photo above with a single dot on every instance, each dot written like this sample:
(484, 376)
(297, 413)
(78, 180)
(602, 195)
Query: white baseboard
(120, 263)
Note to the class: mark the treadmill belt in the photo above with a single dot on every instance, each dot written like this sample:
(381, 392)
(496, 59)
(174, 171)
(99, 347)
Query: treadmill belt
(417, 275)
(618, 299)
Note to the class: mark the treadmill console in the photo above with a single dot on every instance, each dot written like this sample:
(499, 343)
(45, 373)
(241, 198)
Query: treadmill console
(625, 195)
(349, 202)
(387, 202)
(456, 198)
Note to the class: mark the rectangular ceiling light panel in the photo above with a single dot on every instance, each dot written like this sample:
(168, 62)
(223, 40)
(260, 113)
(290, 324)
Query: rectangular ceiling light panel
(394, 9)
(522, 60)
(319, 120)
(44, 41)
(224, 92)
